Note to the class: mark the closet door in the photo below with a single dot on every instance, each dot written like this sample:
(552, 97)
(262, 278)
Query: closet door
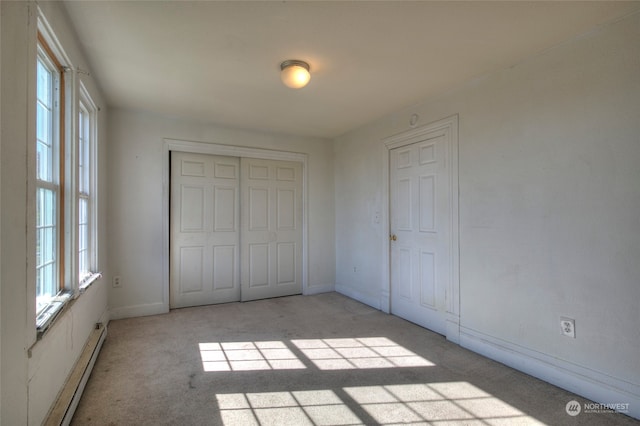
(271, 228)
(205, 234)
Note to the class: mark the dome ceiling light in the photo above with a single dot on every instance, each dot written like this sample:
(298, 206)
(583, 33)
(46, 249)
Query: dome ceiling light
(295, 73)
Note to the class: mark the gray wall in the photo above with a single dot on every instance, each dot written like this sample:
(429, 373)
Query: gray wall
(136, 204)
(549, 208)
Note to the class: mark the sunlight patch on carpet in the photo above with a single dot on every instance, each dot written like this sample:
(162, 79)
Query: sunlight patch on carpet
(358, 353)
(420, 403)
(248, 356)
(324, 354)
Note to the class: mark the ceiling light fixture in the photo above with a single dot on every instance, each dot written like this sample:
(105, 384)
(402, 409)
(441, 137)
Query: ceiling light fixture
(294, 73)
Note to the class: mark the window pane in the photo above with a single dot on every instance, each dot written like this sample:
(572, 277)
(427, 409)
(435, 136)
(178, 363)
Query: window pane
(46, 246)
(44, 85)
(82, 232)
(39, 273)
(82, 187)
(42, 162)
(47, 290)
(83, 152)
(83, 239)
(45, 207)
(81, 167)
(39, 239)
(42, 124)
(44, 159)
(39, 202)
(82, 211)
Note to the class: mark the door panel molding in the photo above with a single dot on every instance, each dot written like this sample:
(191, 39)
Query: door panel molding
(195, 147)
(447, 128)
(204, 213)
(279, 211)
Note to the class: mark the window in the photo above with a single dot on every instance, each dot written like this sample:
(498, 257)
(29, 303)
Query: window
(83, 195)
(86, 221)
(49, 116)
(65, 182)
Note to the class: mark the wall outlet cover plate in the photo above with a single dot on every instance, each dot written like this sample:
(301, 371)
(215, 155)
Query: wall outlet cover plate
(568, 327)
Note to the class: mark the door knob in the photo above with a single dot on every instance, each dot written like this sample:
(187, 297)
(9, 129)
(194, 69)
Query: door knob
(393, 237)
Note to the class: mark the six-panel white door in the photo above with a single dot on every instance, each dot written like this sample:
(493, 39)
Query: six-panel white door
(205, 234)
(420, 230)
(271, 228)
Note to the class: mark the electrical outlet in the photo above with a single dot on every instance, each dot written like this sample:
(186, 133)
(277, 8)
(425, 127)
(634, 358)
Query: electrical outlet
(568, 327)
(117, 283)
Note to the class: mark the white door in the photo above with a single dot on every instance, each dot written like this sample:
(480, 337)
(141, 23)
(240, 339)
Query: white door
(271, 228)
(204, 230)
(420, 228)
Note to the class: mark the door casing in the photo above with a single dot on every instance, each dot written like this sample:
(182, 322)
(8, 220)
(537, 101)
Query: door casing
(230, 151)
(449, 128)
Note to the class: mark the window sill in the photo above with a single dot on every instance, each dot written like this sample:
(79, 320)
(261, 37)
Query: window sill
(51, 312)
(47, 317)
(86, 283)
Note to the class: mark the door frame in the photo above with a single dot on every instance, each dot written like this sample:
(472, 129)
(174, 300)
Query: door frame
(193, 147)
(448, 127)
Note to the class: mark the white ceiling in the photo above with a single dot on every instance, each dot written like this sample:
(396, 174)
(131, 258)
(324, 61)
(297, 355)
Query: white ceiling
(219, 61)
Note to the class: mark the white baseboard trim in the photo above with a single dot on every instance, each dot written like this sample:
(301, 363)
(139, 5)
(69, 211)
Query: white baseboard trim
(69, 396)
(318, 288)
(367, 299)
(452, 325)
(138, 311)
(591, 384)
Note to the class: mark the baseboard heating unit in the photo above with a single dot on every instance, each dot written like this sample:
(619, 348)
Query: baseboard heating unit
(69, 397)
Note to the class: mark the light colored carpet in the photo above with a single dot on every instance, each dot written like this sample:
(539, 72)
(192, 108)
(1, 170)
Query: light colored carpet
(319, 360)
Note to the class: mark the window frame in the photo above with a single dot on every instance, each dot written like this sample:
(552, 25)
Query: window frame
(88, 133)
(55, 180)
